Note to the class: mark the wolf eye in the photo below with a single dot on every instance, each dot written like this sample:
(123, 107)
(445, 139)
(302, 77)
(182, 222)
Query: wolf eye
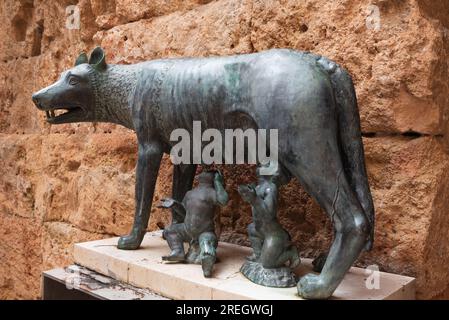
(73, 81)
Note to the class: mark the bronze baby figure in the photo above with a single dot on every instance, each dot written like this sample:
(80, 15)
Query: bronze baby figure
(271, 243)
(198, 209)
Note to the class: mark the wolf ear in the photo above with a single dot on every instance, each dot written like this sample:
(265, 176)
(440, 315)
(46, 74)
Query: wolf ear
(82, 58)
(97, 59)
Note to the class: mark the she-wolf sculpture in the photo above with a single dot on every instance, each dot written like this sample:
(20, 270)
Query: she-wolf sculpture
(308, 98)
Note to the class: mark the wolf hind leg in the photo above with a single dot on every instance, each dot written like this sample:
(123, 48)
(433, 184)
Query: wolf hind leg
(327, 183)
(183, 176)
(352, 230)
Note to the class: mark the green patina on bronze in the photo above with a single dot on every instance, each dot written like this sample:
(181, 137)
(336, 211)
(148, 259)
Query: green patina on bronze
(308, 98)
(274, 256)
(198, 209)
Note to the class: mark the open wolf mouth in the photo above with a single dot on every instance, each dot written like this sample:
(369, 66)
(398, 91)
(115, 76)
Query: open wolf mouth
(64, 114)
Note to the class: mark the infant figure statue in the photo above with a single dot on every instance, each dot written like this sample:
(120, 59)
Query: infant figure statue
(198, 208)
(272, 247)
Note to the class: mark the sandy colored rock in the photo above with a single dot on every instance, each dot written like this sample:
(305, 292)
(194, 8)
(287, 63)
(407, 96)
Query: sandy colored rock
(19, 174)
(58, 239)
(78, 185)
(109, 14)
(395, 66)
(75, 182)
(20, 257)
(221, 27)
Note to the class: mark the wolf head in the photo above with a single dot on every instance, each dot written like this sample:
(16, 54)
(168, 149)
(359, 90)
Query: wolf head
(74, 92)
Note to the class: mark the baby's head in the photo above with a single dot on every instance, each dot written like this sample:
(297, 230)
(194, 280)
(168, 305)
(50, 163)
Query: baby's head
(206, 177)
(277, 174)
(272, 176)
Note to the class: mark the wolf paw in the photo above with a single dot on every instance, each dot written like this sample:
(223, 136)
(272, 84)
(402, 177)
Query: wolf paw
(131, 241)
(313, 287)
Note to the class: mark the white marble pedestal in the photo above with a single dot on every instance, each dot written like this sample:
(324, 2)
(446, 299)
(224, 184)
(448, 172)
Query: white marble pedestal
(144, 268)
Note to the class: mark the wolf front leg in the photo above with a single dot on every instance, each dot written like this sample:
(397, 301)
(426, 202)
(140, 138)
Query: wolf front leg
(148, 162)
(183, 175)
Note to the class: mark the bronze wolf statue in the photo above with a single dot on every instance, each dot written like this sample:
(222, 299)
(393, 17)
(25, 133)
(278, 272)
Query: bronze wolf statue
(308, 98)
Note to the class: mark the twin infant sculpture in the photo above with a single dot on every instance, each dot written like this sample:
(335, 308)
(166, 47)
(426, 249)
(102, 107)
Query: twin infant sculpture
(272, 248)
(310, 101)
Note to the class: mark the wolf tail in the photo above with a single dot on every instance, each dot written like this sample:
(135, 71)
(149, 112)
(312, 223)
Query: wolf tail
(350, 138)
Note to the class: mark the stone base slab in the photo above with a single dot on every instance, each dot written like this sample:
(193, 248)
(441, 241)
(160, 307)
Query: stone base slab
(79, 283)
(144, 268)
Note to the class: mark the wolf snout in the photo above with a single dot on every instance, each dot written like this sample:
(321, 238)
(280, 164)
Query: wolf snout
(36, 99)
(39, 100)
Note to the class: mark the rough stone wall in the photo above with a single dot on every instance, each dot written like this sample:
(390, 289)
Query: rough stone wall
(64, 184)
